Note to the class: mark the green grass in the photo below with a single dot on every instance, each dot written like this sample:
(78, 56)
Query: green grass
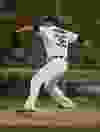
(47, 104)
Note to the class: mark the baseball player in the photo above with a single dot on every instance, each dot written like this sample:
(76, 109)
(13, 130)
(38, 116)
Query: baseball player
(56, 41)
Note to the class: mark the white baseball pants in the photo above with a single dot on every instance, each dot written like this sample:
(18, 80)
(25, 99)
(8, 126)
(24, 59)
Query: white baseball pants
(54, 68)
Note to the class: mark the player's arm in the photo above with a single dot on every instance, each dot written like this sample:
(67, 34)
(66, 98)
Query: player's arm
(78, 42)
(24, 28)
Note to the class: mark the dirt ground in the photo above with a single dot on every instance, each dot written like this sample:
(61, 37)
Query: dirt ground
(50, 120)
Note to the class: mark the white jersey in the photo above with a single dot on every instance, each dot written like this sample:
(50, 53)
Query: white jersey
(56, 40)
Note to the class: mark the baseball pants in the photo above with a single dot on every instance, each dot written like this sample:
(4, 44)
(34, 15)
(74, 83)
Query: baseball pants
(53, 68)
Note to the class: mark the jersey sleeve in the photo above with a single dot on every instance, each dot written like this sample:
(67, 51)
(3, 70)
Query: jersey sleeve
(74, 39)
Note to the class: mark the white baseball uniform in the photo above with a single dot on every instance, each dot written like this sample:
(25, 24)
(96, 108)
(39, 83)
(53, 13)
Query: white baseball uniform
(56, 42)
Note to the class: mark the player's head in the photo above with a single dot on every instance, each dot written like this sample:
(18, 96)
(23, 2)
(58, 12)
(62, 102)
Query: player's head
(51, 27)
(48, 21)
(53, 20)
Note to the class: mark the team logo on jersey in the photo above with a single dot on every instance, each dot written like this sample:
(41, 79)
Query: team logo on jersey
(61, 41)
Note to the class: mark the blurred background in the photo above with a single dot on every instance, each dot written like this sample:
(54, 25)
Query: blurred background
(7, 8)
(16, 60)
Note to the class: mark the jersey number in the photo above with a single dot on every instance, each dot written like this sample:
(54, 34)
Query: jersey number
(61, 42)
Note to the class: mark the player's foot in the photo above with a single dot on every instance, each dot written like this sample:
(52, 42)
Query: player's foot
(29, 108)
(66, 106)
(30, 105)
(65, 102)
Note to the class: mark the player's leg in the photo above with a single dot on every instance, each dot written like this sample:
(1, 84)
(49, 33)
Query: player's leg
(58, 95)
(42, 76)
(36, 83)
(55, 92)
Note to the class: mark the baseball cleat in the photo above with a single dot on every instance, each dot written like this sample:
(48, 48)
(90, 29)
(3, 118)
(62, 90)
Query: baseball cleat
(67, 106)
(29, 107)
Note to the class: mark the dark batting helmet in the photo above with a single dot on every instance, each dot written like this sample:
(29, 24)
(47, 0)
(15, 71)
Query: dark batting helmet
(47, 20)
(55, 20)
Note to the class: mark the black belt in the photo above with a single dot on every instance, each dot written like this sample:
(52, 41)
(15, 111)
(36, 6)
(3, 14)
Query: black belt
(50, 58)
(58, 56)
